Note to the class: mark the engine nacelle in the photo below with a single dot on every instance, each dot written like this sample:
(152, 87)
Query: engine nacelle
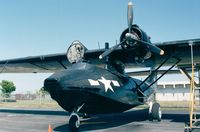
(142, 52)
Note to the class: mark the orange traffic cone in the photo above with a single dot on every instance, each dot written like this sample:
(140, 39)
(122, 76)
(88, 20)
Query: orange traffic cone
(49, 129)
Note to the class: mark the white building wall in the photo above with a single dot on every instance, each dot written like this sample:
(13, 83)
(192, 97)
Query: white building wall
(173, 97)
(173, 91)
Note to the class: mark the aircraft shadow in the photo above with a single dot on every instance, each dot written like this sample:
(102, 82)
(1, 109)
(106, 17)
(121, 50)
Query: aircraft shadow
(99, 122)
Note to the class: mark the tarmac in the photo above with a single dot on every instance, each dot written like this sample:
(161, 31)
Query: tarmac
(135, 120)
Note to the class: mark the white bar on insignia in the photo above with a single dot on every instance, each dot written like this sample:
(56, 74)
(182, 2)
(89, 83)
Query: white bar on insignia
(93, 82)
(115, 83)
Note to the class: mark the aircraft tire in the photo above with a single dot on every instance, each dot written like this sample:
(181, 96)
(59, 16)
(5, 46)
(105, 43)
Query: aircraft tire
(156, 113)
(74, 123)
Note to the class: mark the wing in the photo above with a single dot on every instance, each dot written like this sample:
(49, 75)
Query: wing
(181, 50)
(174, 50)
(55, 62)
(43, 63)
(35, 64)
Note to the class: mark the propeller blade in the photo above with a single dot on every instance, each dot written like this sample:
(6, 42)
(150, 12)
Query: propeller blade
(130, 15)
(109, 51)
(152, 48)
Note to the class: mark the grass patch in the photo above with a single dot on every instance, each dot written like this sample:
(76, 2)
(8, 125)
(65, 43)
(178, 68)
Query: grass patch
(31, 104)
(174, 104)
(53, 104)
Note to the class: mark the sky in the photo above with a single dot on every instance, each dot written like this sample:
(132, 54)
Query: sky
(39, 27)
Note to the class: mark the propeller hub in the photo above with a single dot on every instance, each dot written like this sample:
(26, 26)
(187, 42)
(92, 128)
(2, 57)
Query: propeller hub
(130, 39)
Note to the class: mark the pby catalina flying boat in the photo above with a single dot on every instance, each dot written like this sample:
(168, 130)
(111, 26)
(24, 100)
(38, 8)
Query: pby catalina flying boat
(94, 81)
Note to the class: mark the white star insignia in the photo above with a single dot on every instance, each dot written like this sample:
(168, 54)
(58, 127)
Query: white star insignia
(106, 84)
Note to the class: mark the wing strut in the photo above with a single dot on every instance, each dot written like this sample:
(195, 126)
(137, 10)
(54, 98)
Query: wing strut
(184, 71)
(156, 70)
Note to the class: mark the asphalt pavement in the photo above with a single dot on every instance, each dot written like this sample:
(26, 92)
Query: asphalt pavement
(135, 120)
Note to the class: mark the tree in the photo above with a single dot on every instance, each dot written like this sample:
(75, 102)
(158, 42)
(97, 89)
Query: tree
(43, 92)
(7, 87)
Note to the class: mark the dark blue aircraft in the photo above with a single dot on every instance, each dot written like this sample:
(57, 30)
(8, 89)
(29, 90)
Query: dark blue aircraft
(95, 82)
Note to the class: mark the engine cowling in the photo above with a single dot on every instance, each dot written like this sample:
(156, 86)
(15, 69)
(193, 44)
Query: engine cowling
(142, 52)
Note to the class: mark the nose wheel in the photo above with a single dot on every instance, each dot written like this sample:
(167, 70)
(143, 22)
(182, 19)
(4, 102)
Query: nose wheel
(74, 122)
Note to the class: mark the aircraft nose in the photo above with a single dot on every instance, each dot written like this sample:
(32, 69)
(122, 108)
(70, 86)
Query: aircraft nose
(50, 83)
(51, 80)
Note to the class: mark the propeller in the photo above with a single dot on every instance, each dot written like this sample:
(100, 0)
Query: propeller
(130, 37)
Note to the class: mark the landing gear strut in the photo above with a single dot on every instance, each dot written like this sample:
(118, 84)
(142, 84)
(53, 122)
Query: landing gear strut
(155, 112)
(74, 122)
(74, 119)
